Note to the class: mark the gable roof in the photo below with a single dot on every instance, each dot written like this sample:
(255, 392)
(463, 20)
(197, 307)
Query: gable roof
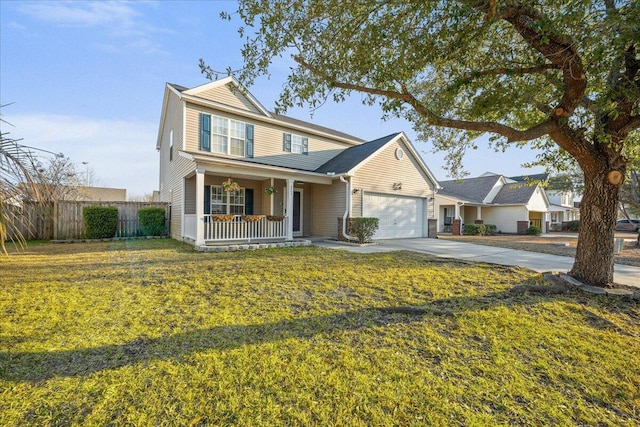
(469, 189)
(513, 194)
(194, 91)
(476, 190)
(353, 156)
(349, 160)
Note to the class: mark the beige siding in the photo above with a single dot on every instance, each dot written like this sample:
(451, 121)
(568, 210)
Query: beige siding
(190, 196)
(469, 214)
(268, 142)
(505, 218)
(382, 171)
(172, 172)
(226, 95)
(328, 207)
(537, 202)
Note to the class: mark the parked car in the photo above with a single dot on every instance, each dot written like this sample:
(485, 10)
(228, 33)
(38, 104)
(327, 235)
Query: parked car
(626, 225)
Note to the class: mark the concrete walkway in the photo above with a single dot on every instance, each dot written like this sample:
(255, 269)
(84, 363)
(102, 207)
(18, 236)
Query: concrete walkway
(623, 274)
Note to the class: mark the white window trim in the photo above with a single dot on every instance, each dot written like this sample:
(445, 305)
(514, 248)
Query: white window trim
(213, 143)
(227, 200)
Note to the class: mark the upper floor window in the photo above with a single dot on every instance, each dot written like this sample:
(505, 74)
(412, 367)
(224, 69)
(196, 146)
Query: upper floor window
(225, 136)
(295, 143)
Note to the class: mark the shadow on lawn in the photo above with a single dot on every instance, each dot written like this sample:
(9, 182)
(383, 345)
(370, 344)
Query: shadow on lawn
(39, 366)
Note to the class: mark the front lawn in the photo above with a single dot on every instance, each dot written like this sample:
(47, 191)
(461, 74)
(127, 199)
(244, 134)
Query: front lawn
(152, 333)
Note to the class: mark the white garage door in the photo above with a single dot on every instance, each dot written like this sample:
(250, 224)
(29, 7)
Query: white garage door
(399, 216)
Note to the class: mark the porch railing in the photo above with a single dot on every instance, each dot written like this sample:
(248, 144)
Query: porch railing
(236, 229)
(240, 229)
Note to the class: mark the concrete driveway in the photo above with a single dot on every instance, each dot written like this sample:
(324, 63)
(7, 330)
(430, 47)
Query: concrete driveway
(623, 274)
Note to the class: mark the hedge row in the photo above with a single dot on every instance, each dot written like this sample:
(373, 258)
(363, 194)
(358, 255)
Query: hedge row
(480, 229)
(101, 222)
(152, 221)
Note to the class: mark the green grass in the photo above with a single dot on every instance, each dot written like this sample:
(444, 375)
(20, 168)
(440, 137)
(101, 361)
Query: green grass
(150, 332)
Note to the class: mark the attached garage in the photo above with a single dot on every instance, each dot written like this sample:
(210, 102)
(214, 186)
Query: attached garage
(400, 216)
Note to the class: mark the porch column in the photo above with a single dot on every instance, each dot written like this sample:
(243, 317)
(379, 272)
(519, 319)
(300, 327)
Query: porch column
(478, 215)
(271, 198)
(456, 227)
(289, 209)
(199, 207)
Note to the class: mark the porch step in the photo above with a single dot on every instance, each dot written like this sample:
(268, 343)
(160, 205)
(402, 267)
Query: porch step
(252, 246)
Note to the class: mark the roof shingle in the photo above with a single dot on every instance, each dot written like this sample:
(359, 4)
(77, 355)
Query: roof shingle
(352, 156)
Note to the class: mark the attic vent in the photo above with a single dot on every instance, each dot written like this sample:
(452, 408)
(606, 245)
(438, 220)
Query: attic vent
(399, 153)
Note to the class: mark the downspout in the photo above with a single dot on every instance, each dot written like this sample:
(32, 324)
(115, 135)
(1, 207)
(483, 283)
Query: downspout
(347, 209)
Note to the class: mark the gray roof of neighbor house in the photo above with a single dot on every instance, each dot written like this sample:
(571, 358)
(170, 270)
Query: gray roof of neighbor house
(475, 190)
(469, 189)
(352, 156)
(291, 120)
(512, 194)
(541, 177)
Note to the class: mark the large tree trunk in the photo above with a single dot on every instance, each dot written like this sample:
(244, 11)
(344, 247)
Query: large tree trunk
(598, 213)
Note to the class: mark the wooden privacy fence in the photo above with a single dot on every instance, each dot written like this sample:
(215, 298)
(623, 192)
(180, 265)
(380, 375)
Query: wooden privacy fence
(63, 220)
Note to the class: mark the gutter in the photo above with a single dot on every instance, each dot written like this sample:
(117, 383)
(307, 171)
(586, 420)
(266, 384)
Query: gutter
(347, 209)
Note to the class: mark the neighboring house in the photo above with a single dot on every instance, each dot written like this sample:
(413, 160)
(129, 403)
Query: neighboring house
(101, 194)
(510, 205)
(312, 176)
(77, 193)
(562, 206)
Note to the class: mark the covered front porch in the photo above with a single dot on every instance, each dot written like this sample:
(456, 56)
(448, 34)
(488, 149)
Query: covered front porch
(513, 219)
(246, 204)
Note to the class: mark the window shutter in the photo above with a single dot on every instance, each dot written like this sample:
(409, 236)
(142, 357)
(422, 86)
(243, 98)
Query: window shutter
(249, 141)
(205, 132)
(305, 146)
(286, 142)
(207, 199)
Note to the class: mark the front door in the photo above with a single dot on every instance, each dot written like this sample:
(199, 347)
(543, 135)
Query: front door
(296, 216)
(297, 212)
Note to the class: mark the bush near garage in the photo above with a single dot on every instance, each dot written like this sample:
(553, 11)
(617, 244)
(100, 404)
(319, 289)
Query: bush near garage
(100, 222)
(152, 221)
(363, 228)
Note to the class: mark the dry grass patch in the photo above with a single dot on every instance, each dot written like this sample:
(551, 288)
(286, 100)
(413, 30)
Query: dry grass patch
(153, 333)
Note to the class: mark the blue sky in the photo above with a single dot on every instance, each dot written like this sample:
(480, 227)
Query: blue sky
(87, 79)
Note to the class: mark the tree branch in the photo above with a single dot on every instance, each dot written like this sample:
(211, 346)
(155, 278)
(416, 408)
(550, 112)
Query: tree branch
(512, 134)
(558, 49)
(632, 124)
(508, 71)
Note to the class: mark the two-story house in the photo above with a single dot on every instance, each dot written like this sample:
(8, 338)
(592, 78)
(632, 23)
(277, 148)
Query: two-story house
(234, 171)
